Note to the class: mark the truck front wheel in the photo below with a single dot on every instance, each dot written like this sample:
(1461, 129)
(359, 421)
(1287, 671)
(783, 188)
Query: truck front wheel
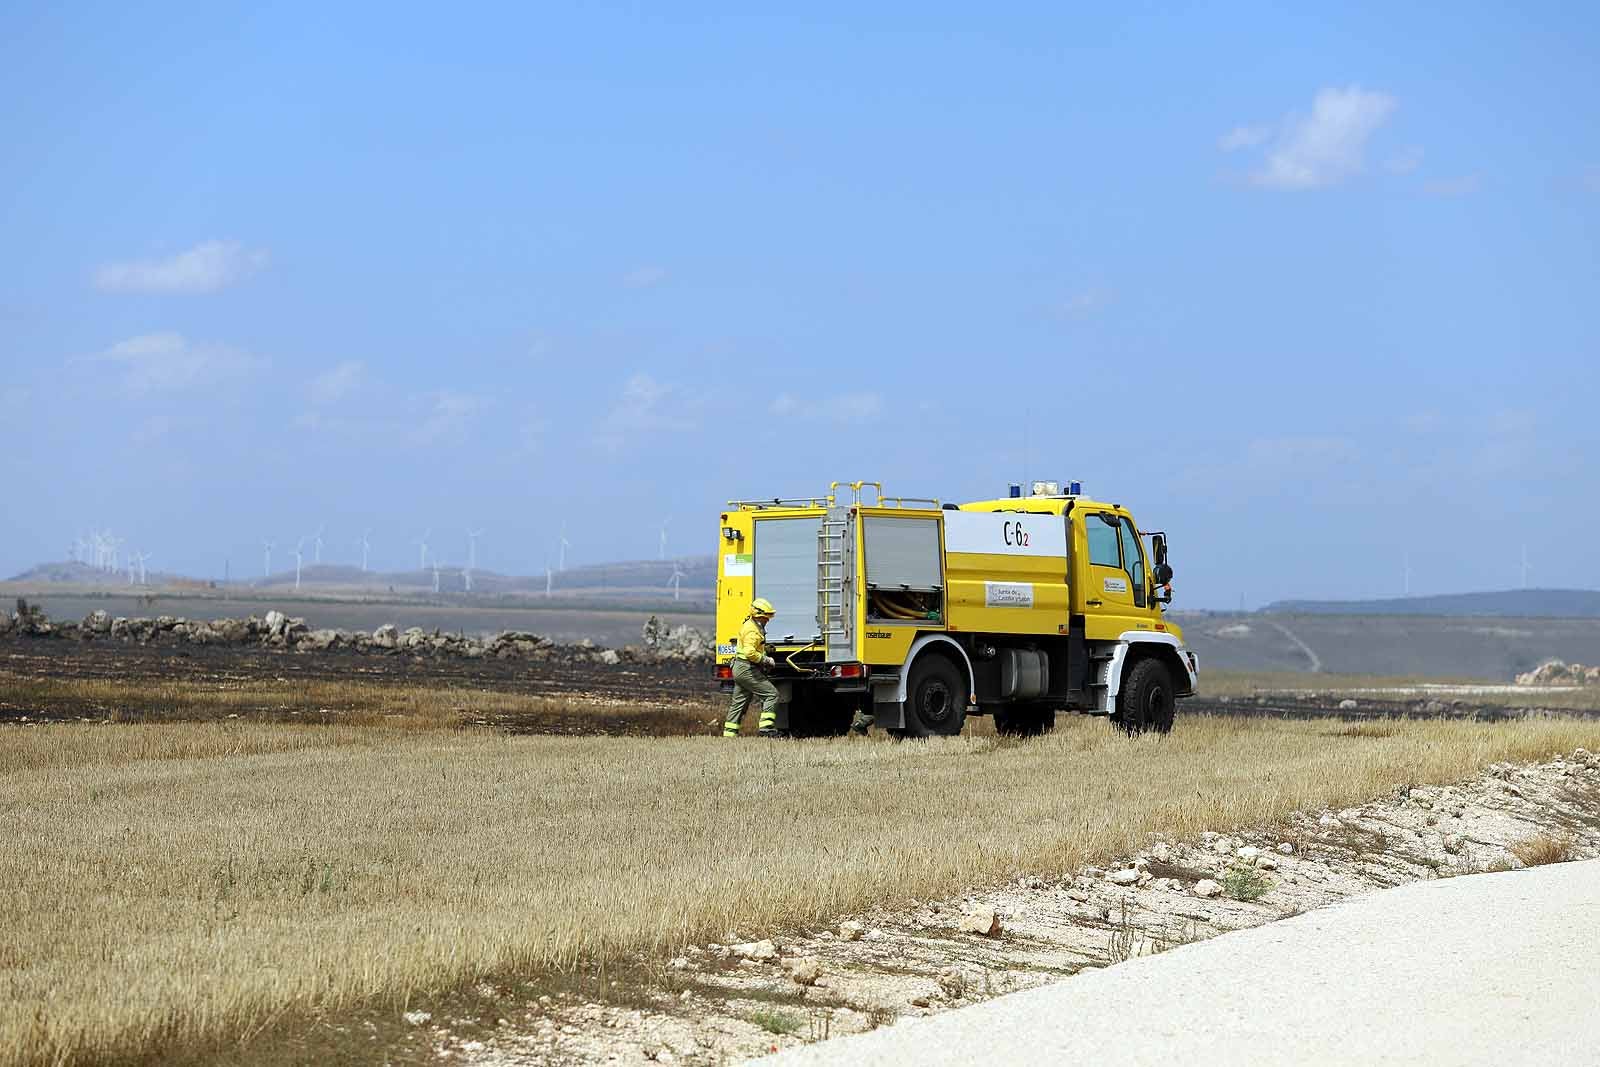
(936, 699)
(1147, 700)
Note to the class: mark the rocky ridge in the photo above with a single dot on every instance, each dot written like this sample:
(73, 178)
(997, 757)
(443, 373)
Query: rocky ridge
(1555, 672)
(277, 630)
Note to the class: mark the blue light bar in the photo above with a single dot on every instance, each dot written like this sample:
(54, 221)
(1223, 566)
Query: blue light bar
(1074, 488)
(1016, 490)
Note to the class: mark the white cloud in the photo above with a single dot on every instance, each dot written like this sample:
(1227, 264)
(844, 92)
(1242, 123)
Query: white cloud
(842, 408)
(1465, 185)
(1081, 305)
(449, 416)
(1298, 452)
(205, 268)
(1320, 149)
(644, 277)
(1404, 162)
(162, 362)
(1514, 421)
(337, 382)
(1244, 137)
(645, 407)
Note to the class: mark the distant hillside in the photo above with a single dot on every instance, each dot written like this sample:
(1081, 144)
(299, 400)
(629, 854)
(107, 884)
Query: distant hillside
(1514, 603)
(70, 572)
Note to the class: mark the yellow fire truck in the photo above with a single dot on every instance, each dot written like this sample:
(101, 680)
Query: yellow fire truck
(925, 613)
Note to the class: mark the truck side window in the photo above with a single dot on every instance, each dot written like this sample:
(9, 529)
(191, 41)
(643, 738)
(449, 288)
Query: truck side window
(1133, 560)
(1103, 549)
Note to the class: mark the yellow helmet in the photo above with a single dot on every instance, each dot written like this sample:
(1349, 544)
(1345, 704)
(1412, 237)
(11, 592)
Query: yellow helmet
(762, 606)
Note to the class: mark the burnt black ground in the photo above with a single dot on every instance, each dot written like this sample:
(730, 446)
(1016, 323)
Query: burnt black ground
(628, 698)
(666, 697)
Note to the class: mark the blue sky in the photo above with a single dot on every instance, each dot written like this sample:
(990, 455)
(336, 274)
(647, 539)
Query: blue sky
(1308, 291)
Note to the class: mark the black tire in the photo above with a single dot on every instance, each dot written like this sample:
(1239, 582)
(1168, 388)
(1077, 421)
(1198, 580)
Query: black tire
(1147, 700)
(1024, 722)
(936, 699)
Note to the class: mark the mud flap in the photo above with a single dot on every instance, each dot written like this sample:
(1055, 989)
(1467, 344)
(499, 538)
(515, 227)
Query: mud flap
(785, 699)
(889, 715)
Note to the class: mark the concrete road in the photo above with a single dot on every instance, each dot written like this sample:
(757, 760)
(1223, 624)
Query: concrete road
(1492, 969)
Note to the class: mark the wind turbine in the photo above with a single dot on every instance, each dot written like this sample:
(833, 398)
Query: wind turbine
(321, 529)
(299, 554)
(565, 544)
(1407, 573)
(266, 568)
(548, 581)
(1526, 567)
(676, 581)
(472, 557)
(664, 536)
(130, 568)
(366, 546)
(422, 559)
(143, 558)
(436, 574)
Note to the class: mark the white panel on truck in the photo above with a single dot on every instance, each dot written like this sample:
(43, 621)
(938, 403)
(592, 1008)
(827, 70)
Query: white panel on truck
(786, 574)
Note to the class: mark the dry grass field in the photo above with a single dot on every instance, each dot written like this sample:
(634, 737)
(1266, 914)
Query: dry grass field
(172, 888)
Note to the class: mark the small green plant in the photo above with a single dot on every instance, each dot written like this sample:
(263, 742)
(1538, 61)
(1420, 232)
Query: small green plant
(774, 1022)
(1124, 936)
(1245, 883)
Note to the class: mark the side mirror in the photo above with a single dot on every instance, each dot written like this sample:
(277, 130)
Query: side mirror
(1158, 544)
(1162, 574)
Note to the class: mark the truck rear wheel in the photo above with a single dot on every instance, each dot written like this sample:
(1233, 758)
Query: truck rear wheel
(936, 699)
(1147, 700)
(1024, 722)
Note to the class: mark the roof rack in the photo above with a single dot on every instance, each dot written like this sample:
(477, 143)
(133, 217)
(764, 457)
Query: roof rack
(832, 499)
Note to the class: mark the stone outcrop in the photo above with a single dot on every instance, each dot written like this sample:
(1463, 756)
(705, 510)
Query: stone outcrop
(280, 631)
(1555, 672)
(680, 642)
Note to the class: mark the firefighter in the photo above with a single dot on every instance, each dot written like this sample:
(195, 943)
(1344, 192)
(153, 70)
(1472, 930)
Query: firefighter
(749, 660)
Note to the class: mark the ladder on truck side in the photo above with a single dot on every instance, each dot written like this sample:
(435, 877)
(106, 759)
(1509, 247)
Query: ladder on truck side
(835, 581)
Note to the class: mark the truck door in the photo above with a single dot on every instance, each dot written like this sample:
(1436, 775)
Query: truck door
(1108, 595)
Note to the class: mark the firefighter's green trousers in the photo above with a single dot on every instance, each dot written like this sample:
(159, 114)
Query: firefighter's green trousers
(862, 720)
(748, 681)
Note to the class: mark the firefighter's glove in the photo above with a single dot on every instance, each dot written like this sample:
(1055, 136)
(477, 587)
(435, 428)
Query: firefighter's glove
(767, 663)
